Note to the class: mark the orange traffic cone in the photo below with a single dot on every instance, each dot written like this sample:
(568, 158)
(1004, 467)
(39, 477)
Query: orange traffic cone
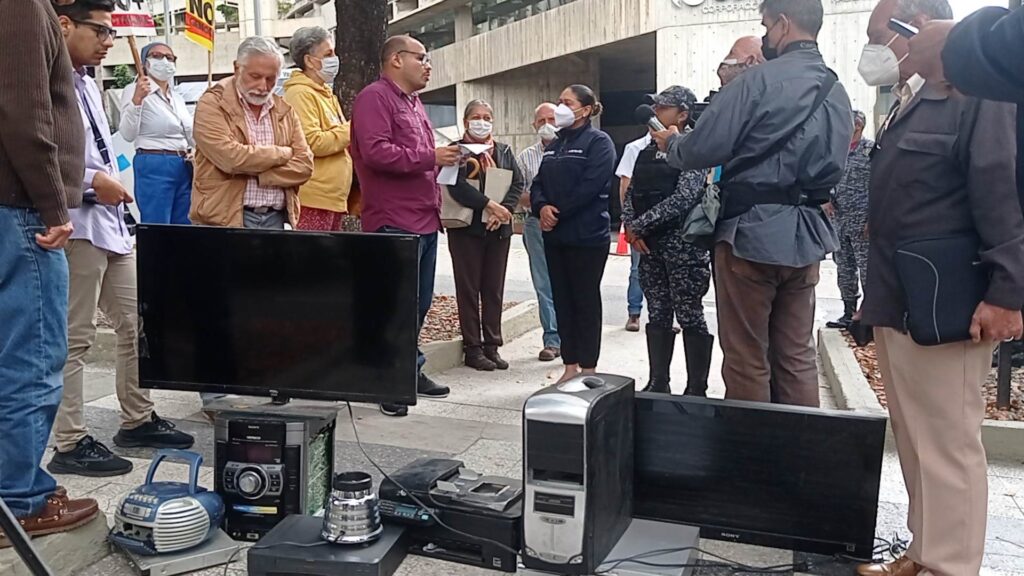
(622, 247)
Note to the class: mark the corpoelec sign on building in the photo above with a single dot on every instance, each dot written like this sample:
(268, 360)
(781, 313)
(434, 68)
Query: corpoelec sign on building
(718, 6)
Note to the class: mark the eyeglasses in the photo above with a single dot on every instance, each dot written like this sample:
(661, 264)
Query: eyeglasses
(423, 57)
(168, 57)
(102, 31)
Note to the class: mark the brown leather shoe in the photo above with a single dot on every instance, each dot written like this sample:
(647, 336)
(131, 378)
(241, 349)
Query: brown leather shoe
(59, 514)
(901, 567)
(475, 359)
(633, 324)
(549, 353)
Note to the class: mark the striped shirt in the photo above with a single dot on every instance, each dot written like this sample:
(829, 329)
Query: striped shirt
(529, 163)
(261, 133)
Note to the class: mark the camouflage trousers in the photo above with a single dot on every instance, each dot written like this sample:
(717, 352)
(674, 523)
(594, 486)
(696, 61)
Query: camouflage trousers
(851, 261)
(674, 283)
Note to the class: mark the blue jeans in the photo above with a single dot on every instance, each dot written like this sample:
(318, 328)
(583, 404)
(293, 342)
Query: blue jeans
(428, 268)
(533, 241)
(33, 349)
(634, 295)
(163, 188)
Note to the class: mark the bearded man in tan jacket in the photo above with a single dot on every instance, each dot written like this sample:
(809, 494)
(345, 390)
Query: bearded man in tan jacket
(251, 154)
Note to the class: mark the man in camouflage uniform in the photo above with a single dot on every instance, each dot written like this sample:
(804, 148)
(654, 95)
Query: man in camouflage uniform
(849, 207)
(675, 275)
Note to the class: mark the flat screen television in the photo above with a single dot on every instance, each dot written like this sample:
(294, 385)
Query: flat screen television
(780, 476)
(323, 316)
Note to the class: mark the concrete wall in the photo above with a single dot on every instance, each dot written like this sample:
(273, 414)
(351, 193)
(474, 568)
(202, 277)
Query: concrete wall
(273, 26)
(569, 29)
(515, 95)
(689, 54)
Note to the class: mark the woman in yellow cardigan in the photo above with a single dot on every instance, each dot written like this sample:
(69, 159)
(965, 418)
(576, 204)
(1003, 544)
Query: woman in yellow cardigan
(324, 198)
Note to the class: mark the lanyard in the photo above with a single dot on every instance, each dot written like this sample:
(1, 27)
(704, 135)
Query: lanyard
(101, 143)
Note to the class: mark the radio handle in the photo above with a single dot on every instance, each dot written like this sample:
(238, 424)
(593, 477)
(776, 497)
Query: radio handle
(194, 460)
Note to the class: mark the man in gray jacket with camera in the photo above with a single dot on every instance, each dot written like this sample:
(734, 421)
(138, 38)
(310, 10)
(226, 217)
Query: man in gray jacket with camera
(782, 132)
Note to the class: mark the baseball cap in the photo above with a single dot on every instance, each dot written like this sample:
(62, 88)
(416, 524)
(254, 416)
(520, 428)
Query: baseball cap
(674, 96)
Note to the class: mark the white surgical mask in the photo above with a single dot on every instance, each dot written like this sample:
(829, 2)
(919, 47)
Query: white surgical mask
(161, 69)
(564, 116)
(547, 132)
(480, 129)
(879, 65)
(329, 69)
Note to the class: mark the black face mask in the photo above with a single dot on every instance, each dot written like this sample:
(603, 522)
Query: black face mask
(769, 52)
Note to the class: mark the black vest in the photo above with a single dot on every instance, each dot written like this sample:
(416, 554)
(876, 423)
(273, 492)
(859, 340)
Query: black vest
(653, 179)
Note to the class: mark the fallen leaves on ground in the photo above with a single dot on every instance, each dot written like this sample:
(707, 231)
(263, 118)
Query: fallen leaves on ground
(442, 321)
(867, 357)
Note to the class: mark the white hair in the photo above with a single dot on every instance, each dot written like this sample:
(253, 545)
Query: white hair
(304, 41)
(258, 46)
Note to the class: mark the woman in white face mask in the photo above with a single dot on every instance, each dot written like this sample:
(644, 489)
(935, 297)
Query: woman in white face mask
(324, 198)
(570, 196)
(489, 183)
(155, 119)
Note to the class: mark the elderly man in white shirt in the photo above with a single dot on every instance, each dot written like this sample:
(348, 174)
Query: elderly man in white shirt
(155, 118)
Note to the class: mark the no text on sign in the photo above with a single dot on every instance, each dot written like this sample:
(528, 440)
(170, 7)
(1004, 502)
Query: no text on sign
(199, 16)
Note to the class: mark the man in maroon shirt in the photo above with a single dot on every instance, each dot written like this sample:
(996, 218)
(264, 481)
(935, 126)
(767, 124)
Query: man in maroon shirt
(396, 160)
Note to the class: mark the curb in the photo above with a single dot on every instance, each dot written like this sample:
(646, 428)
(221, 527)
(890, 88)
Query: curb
(441, 356)
(65, 552)
(1003, 440)
(104, 349)
(515, 322)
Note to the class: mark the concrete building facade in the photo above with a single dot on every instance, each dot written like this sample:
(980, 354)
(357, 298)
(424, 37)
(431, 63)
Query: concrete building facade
(517, 53)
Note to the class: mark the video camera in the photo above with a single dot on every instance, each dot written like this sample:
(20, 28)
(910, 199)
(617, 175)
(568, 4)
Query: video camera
(700, 107)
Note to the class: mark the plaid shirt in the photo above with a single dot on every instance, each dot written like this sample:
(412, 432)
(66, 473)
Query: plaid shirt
(261, 133)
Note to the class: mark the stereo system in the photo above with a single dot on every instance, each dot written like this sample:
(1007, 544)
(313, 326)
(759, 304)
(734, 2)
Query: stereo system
(272, 462)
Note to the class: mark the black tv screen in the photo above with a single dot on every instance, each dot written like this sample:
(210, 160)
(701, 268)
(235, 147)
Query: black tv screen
(324, 316)
(781, 476)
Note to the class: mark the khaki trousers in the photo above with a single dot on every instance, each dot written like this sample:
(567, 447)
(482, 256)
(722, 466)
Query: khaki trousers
(102, 278)
(766, 330)
(936, 409)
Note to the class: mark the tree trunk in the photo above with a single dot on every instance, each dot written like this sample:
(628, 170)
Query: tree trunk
(362, 30)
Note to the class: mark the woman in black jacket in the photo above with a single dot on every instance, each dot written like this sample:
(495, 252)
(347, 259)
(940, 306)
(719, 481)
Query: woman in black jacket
(480, 251)
(570, 197)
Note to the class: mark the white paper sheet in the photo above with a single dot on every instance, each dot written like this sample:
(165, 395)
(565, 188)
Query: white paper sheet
(474, 148)
(448, 175)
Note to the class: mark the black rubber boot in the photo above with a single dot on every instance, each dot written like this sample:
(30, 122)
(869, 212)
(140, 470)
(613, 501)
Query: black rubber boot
(660, 345)
(849, 309)
(698, 348)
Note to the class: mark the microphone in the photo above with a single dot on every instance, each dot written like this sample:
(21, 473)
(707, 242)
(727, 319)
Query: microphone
(644, 114)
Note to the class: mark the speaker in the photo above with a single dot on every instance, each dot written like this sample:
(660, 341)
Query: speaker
(272, 462)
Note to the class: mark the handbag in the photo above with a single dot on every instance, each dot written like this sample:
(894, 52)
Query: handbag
(944, 280)
(496, 184)
(453, 214)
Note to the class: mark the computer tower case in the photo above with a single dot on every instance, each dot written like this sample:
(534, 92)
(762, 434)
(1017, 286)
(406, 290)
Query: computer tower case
(578, 472)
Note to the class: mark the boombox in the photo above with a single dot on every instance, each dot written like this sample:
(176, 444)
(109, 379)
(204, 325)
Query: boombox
(271, 462)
